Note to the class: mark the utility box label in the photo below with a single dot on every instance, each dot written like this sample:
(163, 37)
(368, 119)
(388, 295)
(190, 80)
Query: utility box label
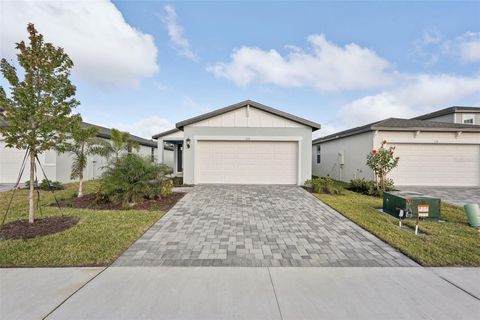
(423, 210)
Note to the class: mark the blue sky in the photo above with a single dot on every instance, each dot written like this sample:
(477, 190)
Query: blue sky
(142, 66)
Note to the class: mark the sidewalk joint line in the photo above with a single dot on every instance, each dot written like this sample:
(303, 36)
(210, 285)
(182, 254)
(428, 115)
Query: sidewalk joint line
(275, 294)
(71, 295)
(458, 287)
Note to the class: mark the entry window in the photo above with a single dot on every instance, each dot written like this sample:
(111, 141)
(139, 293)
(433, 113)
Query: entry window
(468, 118)
(319, 156)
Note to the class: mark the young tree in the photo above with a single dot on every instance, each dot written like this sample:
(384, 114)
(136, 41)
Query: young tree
(39, 108)
(121, 141)
(84, 143)
(382, 161)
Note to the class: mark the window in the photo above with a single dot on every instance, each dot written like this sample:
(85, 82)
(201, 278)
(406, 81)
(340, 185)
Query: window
(152, 156)
(319, 157)
(468, 118)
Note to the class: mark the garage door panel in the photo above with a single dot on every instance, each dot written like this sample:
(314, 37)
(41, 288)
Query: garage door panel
(437, 164)
(247, 162)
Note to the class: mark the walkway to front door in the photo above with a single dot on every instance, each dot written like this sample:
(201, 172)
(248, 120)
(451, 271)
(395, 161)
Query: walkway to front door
(253, 225)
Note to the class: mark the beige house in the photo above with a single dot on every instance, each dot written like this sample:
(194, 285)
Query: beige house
(437, 149)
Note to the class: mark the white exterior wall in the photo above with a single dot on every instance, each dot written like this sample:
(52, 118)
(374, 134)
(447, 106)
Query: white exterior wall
(354, 149)
(57, 166)
(248, 118)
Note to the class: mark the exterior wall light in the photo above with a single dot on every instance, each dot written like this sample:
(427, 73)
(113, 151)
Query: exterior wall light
(188, 143)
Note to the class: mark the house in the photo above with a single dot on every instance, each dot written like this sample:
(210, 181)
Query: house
(245, 143)
(58, 166)
(441, 148)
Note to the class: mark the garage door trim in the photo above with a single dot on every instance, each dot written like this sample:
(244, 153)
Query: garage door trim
(298, 139)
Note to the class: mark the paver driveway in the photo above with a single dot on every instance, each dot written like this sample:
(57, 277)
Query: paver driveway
(248, 225)
(454, 195)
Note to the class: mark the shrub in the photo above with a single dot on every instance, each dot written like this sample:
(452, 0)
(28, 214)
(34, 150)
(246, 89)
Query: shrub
(363, 186)
(324, 185)
(46, 185)
(382, 161)
(132, 178)
(368, 187)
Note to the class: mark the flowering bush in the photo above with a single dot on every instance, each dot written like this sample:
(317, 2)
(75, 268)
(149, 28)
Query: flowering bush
(382, 161)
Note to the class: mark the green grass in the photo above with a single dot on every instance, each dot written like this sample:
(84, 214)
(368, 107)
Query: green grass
(98, 239)
(449, 243)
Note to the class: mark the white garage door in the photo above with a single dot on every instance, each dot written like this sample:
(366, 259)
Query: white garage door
(437, 165)
(10, 163)
(246, 162)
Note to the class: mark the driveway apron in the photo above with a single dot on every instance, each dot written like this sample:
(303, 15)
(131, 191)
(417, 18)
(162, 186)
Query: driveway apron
(257, 226)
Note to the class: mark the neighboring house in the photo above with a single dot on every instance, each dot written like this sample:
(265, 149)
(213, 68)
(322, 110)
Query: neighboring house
(245, 143)
(58, 166)
(437, 149)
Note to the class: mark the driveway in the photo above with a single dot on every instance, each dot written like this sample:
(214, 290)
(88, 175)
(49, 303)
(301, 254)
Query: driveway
(251, 225)
(454, 195)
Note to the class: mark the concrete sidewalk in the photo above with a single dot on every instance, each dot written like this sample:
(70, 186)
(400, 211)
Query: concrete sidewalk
(240, 293)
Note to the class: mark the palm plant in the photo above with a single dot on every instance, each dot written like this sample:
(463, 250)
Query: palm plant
(85, 143)
(121, 141)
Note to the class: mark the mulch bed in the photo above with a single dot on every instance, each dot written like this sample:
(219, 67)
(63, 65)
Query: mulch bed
(22, 229)
(88, 202)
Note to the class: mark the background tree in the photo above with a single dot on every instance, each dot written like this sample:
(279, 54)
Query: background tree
(84, 143)
(382, 161)
(39, 108)
(121, 141)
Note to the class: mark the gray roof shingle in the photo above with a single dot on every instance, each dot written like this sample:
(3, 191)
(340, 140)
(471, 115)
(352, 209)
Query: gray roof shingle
(397, 124)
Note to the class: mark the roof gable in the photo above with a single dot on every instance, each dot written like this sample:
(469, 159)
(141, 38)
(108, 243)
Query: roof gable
(262, 108)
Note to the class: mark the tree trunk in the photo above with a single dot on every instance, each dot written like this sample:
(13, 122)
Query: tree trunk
(31, 207)
(80, 186)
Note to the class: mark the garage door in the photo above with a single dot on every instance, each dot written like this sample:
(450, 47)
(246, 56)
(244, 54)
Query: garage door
(437, 165)
(246, 162)
(10, 163)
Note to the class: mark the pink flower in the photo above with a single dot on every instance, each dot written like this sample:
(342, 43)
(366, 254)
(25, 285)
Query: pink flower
(374, 152)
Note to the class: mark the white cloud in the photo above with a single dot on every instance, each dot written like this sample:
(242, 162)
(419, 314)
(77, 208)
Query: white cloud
(324, 66)
(146, 127)
(103, 46)
(175, 32)
(425, 48)
(432, 46)
(467, 47)
(414, 95)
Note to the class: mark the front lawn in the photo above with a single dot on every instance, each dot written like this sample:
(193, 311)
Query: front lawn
(97, 240)
(449, 243)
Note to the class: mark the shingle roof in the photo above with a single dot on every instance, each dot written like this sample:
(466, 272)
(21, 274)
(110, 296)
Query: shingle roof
(397, 124)
(106, 133)
(165, 133)
(448, 111)
(313, 125)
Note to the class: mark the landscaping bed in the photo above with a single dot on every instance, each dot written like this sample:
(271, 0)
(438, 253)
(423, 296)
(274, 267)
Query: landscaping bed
(88, 201)
(22, 229)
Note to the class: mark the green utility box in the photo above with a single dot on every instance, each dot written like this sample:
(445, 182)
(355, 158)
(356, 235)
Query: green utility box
(413, 204)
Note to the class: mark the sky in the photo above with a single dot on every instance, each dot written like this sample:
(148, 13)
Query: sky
(142, 66)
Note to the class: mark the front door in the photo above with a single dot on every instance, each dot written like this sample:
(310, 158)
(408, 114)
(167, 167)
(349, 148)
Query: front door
(179, 158)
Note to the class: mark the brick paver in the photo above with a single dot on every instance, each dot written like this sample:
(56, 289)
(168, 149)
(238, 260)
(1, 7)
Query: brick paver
(249, 225)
